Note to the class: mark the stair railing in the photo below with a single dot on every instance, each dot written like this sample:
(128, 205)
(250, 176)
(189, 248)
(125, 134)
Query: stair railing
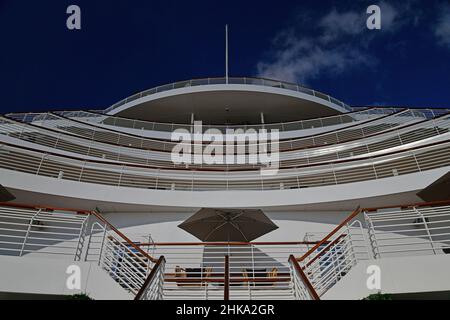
(332, 258)
(122, 259)
(301, 286)
(152, 289)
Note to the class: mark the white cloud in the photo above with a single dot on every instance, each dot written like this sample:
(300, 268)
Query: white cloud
(336, 24)
(342, 44)
(300, 59)
(303, 60)
(389, 17)
(442, 29)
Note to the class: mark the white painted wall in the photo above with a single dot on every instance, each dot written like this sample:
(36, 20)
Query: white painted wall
(398, 275)
(48, 277)
(163, 226)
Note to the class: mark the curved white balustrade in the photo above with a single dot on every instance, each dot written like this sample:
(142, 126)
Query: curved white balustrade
(231, 81)
(92, 132)
(124, 124)
(39, 136)
(417, 160)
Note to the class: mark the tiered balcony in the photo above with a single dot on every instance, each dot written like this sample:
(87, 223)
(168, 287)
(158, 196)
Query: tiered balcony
(292, 270)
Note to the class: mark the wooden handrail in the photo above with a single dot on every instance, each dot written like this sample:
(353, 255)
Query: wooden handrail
(332, 233)
(149, 278)
(221, 280)
(326, 249)
(339, 227)
(226, 286)
(305, 279)
(212, 244)
(124, 237)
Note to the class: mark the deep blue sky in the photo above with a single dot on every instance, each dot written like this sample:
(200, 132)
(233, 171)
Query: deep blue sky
(128, 46)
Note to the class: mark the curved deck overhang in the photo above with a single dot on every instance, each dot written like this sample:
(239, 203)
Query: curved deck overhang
(229, 103)
(44, 190)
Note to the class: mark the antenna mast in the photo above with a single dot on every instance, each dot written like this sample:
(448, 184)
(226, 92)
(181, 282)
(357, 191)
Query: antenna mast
(226, 53)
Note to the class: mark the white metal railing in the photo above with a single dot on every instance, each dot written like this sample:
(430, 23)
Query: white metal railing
(63, 142)
(95, 133)
(139, 126)
(419, 230)
(410, 231)
(256, 270)
(124, 124)
(31, 231)
(422, 158)
(60, 141)
(125, 262)
(231, 80)
(301, 286)
(153, 287)
(333, 260)
(75, 235)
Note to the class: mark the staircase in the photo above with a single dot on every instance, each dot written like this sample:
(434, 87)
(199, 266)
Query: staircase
(391, 237)
(229, 271)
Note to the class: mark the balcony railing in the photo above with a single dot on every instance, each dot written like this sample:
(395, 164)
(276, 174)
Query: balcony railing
(93, 133)
(419, 230)
(256, 270)
(29, 231)
(417, 159)
(65, 142)
(232, 80)
(153, 287)
(76, 235)
(124, 124)
(411, 231)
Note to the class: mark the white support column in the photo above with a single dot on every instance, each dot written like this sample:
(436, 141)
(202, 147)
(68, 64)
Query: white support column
(192, 122)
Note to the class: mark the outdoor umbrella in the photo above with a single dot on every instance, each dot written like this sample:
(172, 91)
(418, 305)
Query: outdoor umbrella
(5, 195)
(233, 225)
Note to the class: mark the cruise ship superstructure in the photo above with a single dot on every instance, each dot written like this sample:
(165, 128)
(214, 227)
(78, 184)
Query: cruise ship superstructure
(360, 204)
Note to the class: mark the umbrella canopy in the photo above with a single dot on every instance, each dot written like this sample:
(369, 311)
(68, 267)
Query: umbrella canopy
(5, 195)
(212, 225)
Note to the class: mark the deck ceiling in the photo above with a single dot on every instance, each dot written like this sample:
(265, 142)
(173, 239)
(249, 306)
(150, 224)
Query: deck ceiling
(227, 107)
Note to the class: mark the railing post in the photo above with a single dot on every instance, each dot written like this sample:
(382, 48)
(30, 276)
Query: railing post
(28, 232)
(81, 239)
(372, 238)
(40, 164)
(226, 285)
(425, 224)
(417, 162)
(103, 243)
(297, 269)
(81, 171)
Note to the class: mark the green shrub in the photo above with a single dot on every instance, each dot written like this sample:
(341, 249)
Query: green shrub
(80, 296)
(378, 296)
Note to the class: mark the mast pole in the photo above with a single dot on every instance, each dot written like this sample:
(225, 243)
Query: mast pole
(226, 53)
